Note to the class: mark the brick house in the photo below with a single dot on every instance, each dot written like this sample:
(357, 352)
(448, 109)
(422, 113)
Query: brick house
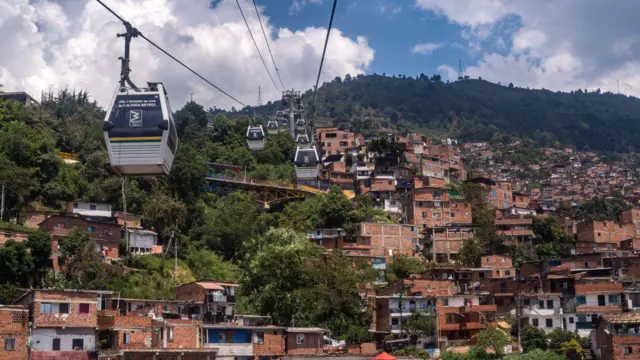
(11, 231)
(461, 317)
(517, 231)
(106, 232)
(14, 332)
(335, 141)
(387, 239)
(444, 243)
(616, 336)
(304, 341)
(218, 298)
(63, 323)
(597, 235)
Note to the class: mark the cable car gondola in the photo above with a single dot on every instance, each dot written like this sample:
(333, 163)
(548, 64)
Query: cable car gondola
(307, 163)
(302, 138)
(300, 124)
(140, 132)
(272, 127)
(255, 137)
(299, 102)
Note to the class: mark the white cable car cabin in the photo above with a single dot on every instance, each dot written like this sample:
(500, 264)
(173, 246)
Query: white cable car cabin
(307, 163)
(272, 127)
(300, 106)
(300, 123)
(302, 138)
(140, 132)
(255, 137)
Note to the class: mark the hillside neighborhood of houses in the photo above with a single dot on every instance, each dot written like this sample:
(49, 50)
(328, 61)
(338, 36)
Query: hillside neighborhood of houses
(593, 291)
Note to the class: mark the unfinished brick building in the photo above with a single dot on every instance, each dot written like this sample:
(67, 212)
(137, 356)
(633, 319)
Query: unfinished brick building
(14, 332)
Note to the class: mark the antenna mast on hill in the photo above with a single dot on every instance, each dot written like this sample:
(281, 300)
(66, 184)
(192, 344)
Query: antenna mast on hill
(618, 81)
(259, 96)
(459, 67)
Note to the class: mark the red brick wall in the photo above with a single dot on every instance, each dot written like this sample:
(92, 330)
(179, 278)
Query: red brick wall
(139, 339)
(20, 352)
(112, 237)
(313, 344)
(6, 234)
(383, 185)
(60, 355)
(388, 236)
(189, 292)
(109, 319)
(183, 337)
(73, 318)
(273, 345)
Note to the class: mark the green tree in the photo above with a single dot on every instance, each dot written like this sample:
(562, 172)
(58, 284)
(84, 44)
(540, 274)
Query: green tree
(536, 354)
(572, 350)
(419, 324)
(533, 338)
(403, 266)
(493, 338)
(470, 253)
(16, 264)
(208, 265)
(559, 336)
(39, 244)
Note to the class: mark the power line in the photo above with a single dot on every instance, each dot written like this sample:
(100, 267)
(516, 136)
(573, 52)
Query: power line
(256, 45)
(324, 51)
(268, 47)
(171, 56)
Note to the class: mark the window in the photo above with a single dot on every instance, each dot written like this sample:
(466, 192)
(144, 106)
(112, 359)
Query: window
(45, 308)
(507, 272)
(344, 143)
(527, 302)
(55, 346)
(91, 229)
(394, 321)
(571, 320)
(451, 318)
(581, 300)
(126, 338)
(481, 275)
(258, 338)
(582, 318)
(628, 350)
(170, 333)
(300, 339)
(63, 308)
(424, 214)
(77, 344)
(75, 205)
(445, 302)
(92, 207)
(452, 214)
(549, 323)
(493, 194)
(534, 322)
(541, 304)
(9, 344)
(549, 304)
(434, 215)
(613, 299)
(598, 234)
(506, 205)
(83, 309)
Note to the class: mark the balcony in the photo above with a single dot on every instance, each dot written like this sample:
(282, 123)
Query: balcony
(541, 312)
(598, 309)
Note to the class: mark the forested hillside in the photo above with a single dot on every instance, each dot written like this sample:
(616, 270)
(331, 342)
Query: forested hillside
(229, 238)
(472, 109)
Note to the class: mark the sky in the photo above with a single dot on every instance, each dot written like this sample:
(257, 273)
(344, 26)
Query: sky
(48, 45)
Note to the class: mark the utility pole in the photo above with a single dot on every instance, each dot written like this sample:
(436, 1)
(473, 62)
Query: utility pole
(518, 311)
(175, 262)
(126, 225)
(259, 96)
(2, 204)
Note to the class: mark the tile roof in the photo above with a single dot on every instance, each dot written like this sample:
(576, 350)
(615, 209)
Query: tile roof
(599, 288)
(431, 287)
(623, 318)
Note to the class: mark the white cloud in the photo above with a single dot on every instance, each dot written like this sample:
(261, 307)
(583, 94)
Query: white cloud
(72, 43)
(425, 48)
(465, 12)
(559, 45)
(449, 73)
(297, 5)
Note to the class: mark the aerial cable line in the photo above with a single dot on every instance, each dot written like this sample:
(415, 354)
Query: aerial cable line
(324, 51)
(127, 24)
(268, 47)
(256, 45)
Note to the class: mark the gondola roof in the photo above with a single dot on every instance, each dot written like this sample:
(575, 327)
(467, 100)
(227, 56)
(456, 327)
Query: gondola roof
(306, 157)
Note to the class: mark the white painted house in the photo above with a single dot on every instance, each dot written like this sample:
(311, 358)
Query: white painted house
(542, 311)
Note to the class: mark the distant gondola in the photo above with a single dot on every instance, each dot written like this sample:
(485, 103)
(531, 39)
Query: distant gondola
(300, 123)
(140, 132)
(255, 137)
(272, 127)
(307, 163)
(302, 138)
